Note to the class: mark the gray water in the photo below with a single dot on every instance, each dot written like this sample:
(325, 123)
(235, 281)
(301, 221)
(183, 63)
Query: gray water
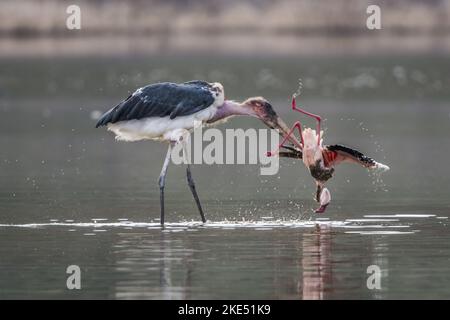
(71, 195)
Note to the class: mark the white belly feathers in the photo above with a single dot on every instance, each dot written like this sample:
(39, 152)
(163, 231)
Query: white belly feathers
(157, 128)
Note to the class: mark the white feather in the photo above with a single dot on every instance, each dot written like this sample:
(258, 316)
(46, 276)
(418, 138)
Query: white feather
(157, 128)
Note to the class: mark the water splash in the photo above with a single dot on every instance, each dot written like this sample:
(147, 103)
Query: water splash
(298, 92)
(375, 175)
(377, 180)
(372, 224)
(102, 226)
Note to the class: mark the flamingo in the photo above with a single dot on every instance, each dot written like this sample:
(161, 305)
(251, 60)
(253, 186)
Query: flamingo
(320, 159)
(167, 112)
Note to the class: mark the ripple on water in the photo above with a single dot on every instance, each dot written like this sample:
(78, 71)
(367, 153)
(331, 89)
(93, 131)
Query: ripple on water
(371, 225)
(381, 232)
(400, 215)
(383, 224)
(183, 226)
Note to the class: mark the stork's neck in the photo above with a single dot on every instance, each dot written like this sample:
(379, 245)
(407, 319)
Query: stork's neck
(227, 109)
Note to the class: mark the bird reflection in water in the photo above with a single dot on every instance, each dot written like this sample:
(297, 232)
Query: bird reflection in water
(145, 267)
(317, 275)
(167, 289)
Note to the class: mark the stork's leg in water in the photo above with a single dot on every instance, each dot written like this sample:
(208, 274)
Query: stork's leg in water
(162, 181)
(323, 196)
(194, 192)
(191, 184)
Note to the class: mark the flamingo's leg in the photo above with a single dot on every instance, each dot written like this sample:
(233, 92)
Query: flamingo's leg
(297, 125)
(312, 115)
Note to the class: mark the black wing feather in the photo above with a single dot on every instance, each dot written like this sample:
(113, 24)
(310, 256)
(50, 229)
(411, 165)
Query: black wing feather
(161, 100)
(353, 153)
(293, 153)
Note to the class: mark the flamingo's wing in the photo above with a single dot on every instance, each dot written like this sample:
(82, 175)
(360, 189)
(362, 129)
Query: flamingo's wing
(337, 153)
(292, 153)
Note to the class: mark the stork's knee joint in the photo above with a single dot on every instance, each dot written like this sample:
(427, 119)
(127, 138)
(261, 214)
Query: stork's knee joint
(161, 183)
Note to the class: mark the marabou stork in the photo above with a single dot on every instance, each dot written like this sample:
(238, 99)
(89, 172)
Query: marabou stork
(168, 111)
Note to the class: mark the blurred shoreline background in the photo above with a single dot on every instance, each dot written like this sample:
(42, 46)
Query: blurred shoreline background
(36, 28)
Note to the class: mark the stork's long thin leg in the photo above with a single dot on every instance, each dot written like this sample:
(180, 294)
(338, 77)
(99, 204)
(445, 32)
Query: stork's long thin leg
(191, 184)
(162, 182)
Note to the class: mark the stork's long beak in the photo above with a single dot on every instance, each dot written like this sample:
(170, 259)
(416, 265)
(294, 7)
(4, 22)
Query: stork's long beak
(272, 120)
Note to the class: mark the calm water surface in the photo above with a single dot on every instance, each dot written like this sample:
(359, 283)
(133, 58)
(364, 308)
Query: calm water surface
(71, 195)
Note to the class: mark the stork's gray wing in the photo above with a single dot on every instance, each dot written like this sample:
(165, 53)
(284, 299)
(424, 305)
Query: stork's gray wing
(161, 100)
